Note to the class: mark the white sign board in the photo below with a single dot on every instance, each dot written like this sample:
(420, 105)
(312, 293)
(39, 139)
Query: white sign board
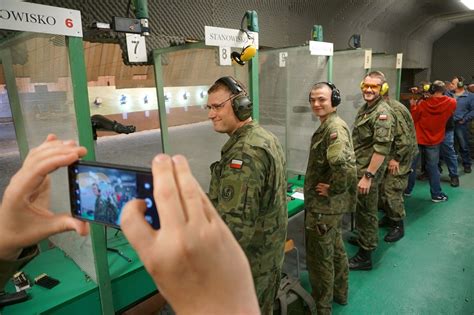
(136, 48)
(224, 56)
(321, 48)
(282, 59)
(368, 59)
(228, 37)
(399, 61)
(38, 18)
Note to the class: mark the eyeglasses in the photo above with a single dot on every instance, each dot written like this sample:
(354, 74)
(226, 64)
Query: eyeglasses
(219, 106)
(366, 86)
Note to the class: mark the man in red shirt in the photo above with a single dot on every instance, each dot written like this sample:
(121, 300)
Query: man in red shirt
(430, 116)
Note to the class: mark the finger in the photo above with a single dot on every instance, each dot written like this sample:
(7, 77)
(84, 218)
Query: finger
(189, 192)
(61, 223)
(29, 180)
(50, 142)
(210, 211)
(55, 148)
(166, 193)
(50, 137)
(137, 230)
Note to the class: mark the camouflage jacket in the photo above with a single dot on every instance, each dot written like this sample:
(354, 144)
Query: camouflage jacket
(373, 132)
(404, 146)
(248, 189)
(331, 161)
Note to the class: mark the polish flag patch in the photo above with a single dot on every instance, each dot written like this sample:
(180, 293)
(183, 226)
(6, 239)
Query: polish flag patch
(236, 164)
(333, 135)
(383, 117)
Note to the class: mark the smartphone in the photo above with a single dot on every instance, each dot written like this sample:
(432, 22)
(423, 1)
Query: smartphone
(99, 191)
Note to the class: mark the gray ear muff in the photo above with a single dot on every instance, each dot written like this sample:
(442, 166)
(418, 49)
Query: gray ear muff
(242, 106)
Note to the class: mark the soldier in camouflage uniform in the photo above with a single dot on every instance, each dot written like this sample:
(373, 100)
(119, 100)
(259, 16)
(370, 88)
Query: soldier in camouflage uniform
(104, 209)
(330, 191)
(372, 138)
(248, 186)
(404, 150)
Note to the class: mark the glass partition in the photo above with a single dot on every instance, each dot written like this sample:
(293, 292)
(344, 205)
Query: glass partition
(286, 78)
(187, 75)
(387, 64)
(43, 81)
(274, 92)
(348, 72)
(10, 160)
(123, 95)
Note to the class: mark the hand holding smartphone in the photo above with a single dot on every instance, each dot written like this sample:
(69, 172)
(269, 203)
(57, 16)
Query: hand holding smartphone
(99, 191)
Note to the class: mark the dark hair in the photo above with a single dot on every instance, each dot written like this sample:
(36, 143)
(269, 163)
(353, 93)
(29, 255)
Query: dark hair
(219, 84)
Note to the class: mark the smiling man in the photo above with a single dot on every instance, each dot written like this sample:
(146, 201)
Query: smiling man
(330, 191)
(248, 186)
(372, 138)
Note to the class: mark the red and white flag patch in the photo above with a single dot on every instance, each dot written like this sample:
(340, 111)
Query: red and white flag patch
(383, 117)
(236, 164)
(333, 135)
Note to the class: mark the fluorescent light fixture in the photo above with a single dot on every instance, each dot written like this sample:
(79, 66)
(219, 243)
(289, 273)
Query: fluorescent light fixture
(468, 3)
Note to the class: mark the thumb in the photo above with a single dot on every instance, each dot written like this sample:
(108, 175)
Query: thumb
(137, 230)
(64, 222)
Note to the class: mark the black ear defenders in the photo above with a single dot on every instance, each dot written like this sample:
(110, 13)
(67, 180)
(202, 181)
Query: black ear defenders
(335, 93)
(241, 103)
(247, 53)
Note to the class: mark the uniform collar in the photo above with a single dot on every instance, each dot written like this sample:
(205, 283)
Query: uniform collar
(326, 123)
(368, 109)
(237, 134)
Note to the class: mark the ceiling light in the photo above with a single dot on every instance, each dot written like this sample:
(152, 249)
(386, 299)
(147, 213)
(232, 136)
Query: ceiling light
(468, 3)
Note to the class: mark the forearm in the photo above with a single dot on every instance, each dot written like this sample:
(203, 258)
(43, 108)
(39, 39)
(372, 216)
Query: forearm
(375, 162)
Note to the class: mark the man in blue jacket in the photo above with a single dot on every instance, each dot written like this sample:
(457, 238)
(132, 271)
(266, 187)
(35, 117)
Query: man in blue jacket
(463, 114)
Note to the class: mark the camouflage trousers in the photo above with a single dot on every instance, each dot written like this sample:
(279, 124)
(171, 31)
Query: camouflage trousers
(327, 263)
(391, 196)
(267, 286)
(367, 219)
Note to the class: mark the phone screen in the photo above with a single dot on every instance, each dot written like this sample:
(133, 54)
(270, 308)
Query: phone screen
(99, 191)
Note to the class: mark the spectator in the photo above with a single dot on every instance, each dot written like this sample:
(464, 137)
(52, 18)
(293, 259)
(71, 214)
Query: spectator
(430, 116)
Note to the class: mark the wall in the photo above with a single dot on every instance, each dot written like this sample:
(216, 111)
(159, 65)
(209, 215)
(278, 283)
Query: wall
(453, 54)
(389, 26)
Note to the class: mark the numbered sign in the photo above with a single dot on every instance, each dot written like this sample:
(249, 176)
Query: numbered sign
(224, 56)
(399, 61)
(283, 56)
(136, 48)
(368, 59)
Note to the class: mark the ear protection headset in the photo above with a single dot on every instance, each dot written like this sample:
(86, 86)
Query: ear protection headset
(241, 103)
(460, 82)
(383, 90)
(247, 53)
(427, 88)
(335, 93)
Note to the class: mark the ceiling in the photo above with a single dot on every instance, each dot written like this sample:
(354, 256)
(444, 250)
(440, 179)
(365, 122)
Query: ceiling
(385, 26)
